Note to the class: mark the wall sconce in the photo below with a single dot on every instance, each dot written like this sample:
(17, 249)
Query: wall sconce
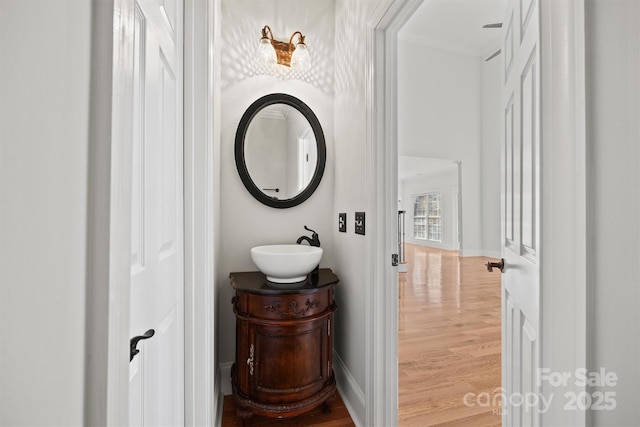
(271, 51)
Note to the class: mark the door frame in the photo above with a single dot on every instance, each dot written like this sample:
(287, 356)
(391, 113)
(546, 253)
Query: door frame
(381, 360)
(109, 211)
(456, 215)
(202, 189)
(565, 275)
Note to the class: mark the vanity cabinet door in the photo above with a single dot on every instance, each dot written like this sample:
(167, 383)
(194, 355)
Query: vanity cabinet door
(291, 361)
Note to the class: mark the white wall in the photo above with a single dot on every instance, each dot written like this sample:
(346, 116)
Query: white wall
(613, 132)
(440, 116)
(44, 129)
(245, 221)
(491, 148)
(349, 194)
(442, 183)
(449, 108)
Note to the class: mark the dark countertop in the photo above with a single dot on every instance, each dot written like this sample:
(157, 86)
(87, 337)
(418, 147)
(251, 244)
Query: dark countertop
(255, 282)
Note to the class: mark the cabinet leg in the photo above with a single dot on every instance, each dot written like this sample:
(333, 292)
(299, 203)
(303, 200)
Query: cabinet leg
(326, 408)
(245, 416)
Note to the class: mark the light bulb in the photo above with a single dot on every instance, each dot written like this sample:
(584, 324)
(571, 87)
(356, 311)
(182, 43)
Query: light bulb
(265, 52)
(300, 58)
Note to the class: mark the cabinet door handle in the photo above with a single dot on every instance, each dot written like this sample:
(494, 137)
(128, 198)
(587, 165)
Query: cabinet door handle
(250, 359)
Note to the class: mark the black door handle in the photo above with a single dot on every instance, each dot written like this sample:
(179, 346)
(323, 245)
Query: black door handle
(491, 265)
(134, 342)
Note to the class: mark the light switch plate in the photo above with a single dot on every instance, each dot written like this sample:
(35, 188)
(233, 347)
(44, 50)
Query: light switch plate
(359, 223)
(342, 222)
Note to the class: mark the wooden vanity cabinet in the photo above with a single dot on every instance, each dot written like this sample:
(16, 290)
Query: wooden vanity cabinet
(284, 345)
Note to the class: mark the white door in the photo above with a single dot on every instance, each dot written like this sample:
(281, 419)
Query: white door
(156, 374)
(520, 217)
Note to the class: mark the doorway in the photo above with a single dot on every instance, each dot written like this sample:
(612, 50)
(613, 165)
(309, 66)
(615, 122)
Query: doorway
(449, 326)
(564, 221)
(157, 304)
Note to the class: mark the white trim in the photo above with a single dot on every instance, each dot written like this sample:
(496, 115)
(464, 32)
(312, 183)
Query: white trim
(455, 218)
(219, 404)
(221, 390)
(200, 192)
(224, 370)
(109, 217)
(381, 360)
(460, 210)
(481, 252)
(439, 44)
(454, 169)
(352, 395)
(491, 254)
(120, 216)
(565, 256)
(488, 49)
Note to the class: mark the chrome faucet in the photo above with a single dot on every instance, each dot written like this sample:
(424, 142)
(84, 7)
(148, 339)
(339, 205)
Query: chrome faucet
(313, 240)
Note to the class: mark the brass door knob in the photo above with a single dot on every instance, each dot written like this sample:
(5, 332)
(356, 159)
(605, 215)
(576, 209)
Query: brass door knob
(499, 265)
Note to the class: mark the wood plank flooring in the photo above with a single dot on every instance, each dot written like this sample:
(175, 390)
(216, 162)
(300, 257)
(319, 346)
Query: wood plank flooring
(448, 346)
(337, 417)
(448, 339)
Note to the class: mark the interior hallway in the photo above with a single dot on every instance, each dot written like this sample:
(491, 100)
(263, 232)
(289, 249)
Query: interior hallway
(448, 340)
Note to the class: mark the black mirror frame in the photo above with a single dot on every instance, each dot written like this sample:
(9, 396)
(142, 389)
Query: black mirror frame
(241, 165)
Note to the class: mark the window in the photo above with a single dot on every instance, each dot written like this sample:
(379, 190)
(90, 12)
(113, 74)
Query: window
(427, 220)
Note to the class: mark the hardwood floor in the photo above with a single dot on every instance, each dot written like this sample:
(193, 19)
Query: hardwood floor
(337, 417)
(448, 346)
(448, 340)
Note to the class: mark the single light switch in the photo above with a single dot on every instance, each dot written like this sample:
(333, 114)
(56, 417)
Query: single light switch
(342, 222)
(359, 223)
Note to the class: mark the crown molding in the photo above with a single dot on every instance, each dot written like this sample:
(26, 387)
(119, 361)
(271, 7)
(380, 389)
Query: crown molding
(438, 44)
(484, 51)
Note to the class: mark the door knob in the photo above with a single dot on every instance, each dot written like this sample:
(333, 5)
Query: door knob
(500, 265)
(134, 342)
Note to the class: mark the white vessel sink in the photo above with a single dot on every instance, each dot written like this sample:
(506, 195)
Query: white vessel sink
(286, 263)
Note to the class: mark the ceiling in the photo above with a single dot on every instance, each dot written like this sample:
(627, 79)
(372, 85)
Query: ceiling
(456, 25)
(409, 167)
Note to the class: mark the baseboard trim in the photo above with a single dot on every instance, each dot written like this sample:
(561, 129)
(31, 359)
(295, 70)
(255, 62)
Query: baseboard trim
(218, 398)
(352, 395)
(480, 252)
(225, 378)
(434, 245)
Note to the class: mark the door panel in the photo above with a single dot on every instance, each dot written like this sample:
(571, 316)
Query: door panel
(509, 168)
(270, 370)
(521, 207)
(528, 150)
(156, 387)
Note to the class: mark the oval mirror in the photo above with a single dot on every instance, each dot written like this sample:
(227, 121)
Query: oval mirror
(280, 150)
